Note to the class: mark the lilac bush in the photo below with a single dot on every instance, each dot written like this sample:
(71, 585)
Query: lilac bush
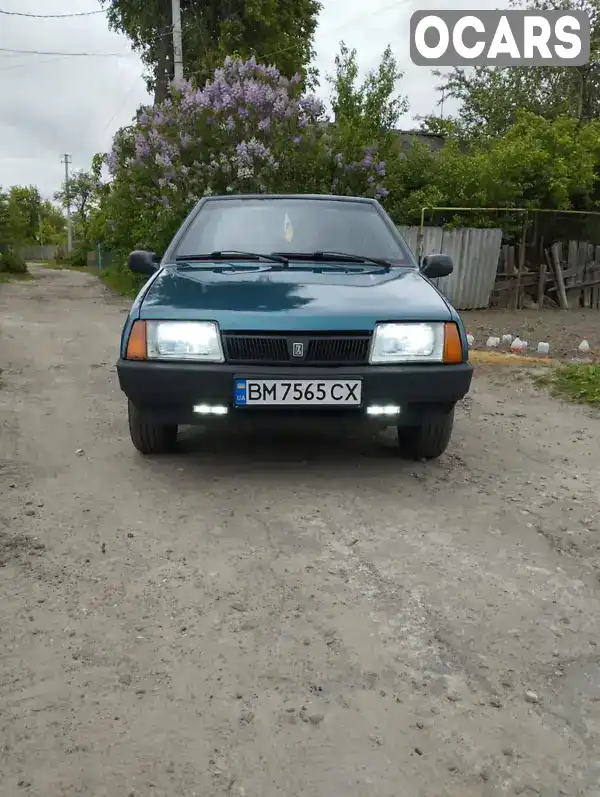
(250, 129)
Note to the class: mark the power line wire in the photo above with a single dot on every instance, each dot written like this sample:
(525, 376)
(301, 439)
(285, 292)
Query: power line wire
(167, 32)
(121, 104)
(54, 52)
(51, 16)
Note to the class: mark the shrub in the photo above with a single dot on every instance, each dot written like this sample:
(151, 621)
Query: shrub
(249, 130)
(78, 256)
(12, 262)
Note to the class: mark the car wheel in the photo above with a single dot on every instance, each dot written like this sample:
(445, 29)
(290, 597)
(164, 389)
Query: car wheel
(429, 440)
(149, 437)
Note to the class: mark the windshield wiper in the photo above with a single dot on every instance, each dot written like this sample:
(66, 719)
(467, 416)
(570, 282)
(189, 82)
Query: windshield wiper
(335, 257)
(231, 254)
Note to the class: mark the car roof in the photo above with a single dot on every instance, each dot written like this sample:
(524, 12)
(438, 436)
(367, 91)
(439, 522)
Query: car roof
(323, 197)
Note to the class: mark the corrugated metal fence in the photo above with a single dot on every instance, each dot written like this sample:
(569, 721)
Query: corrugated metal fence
(43, 253)
(475, 253)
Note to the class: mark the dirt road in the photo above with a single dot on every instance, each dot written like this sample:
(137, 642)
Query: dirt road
(300, 618)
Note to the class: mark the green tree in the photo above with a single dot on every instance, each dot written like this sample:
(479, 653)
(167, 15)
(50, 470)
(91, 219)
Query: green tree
(5, 237)
(491, 98)
(53, 224)
(279, 32)
(82, 193)
(24, 214)
(27, 219)
(537, 163)
(366, 114)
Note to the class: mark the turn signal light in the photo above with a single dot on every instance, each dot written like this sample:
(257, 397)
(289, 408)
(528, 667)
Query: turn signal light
(137, 346)
(453, 352)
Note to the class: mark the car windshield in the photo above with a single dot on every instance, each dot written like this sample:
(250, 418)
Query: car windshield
(287, 225)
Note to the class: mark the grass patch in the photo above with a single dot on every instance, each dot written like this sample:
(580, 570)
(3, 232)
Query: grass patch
(122, 281)
(577, 382)
(6, 276)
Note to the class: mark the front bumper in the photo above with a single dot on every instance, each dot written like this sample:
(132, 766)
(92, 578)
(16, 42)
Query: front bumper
(168, 392)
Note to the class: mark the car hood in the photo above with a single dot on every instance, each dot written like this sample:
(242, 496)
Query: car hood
(297, 298)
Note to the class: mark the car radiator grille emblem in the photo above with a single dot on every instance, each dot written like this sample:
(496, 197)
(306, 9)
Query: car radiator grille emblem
(315, 349)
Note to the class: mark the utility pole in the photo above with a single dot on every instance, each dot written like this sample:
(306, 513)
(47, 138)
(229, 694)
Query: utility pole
(67, 160)
(177, 41)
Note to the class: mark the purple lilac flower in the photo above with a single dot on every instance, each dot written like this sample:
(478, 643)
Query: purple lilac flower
(142, 148)
(382, 192)
(312, 105)
(227, 100)
(297, 140)
(273, 72)
(180, 84)
(370, 180)
(162, 160)
(246, 151)
(367, 161)
(381, 169)
(279, 106)
(259, 95)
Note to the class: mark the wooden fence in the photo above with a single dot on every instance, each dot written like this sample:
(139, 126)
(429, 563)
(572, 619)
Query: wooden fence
(567, 275)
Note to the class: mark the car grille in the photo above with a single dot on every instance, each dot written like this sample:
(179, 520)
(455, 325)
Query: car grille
(350, 348)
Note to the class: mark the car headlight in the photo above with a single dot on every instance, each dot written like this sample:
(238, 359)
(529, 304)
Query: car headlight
(184, 340)
(400, 343)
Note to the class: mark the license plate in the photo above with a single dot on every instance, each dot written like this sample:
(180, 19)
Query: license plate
(298, 392)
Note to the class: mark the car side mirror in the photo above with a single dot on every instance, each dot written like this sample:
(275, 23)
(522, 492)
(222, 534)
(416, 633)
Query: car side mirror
(142, 262)
(436, 266)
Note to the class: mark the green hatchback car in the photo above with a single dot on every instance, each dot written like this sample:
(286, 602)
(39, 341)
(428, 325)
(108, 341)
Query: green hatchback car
(292, 310)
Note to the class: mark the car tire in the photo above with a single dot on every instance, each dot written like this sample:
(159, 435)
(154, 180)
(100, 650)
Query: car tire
(149, 437)
(428, 440)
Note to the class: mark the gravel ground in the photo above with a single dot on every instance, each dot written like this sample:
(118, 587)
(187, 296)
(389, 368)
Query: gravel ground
(293, 617)
(562, 329)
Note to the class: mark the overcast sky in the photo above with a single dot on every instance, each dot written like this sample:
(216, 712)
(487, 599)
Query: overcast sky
(52, 104)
